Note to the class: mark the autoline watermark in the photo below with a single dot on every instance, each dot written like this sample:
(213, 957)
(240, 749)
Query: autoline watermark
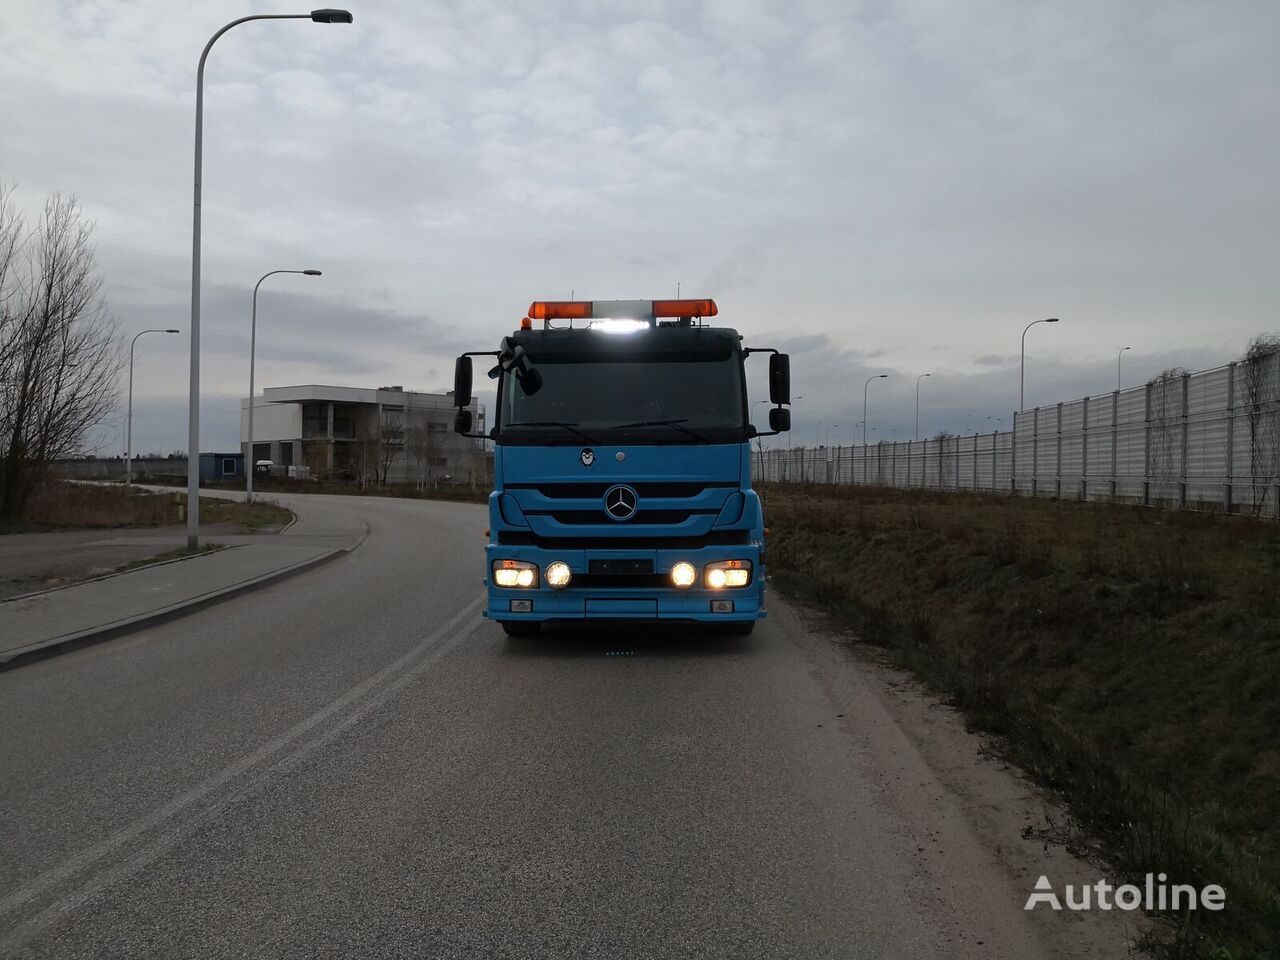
(1155, 894)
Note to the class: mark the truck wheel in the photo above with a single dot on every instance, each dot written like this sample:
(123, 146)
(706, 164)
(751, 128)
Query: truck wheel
(521, 628)
(740, 629)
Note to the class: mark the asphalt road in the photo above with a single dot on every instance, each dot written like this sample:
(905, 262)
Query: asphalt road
(353, 763)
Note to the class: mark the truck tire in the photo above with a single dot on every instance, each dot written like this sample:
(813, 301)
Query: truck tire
(521, 628)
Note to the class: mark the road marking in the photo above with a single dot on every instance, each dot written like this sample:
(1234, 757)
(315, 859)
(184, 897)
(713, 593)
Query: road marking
(245, 764)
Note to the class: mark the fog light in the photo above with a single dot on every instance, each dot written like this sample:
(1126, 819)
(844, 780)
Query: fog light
(558, 574)
(515, 573)
(520, 606)
(727, 573)
(722, 606)
(683, 574)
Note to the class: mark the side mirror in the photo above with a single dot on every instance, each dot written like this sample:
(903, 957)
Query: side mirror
(779, 380)
(530, 381)
(462, 421)
(462, 382)
(780, 419)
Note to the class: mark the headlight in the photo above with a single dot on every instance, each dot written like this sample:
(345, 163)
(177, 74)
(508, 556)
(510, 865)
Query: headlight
(558, 574)
(727, 573)
(683, 574)
(515, 573)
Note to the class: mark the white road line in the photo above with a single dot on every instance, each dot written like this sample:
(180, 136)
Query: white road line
(244, 764)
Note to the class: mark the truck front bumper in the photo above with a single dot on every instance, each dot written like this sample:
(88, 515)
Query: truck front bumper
(625, 602)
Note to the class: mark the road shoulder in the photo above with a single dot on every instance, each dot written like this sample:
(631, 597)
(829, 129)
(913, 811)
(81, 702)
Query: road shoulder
(962, 811)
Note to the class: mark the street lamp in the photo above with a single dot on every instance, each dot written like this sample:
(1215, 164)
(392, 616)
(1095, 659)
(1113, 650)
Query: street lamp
(1118, 356)
(829, 429)
(253, 341)
(193, 401)
(818, 434)
(918, 379)
(1022, 377)
(128, 430)
(878, 376)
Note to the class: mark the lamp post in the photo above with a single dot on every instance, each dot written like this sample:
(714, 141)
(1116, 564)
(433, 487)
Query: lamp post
(128, 430)
(829, 429)
(878, 376)
(253, 343)
(1022, 376)
(193, 399)
(817, 436)
(918, 379)
(1118, 356)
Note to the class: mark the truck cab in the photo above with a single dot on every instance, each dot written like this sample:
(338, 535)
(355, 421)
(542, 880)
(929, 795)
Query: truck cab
(622, 467)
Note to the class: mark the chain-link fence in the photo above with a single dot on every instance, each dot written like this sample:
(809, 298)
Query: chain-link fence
(1204, 441)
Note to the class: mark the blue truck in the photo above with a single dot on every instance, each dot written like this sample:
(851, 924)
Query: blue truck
(622, 466)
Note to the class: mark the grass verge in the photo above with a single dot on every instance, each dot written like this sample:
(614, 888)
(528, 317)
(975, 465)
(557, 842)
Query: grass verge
(58, 505)
(1128, 658)
(181, 553)
(458, 492)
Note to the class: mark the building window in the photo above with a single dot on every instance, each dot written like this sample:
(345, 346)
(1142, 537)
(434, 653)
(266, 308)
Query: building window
(228, 466)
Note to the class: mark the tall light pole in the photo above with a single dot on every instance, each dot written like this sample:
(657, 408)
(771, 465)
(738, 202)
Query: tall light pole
(818, 435)
(128, 430)
(1118, 356)
(918, 379)
(193, 398)
(253, 343)
(1022, 376)
(878, 376)
(829, 429)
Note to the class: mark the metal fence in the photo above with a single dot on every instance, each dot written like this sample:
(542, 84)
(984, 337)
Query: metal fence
(1204, 441)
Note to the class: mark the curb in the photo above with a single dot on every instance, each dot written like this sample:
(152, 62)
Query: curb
(115, 573)
(39, 650)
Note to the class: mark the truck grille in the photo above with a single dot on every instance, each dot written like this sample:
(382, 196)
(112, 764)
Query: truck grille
(595, 517)
(590, 491)
(716, 538)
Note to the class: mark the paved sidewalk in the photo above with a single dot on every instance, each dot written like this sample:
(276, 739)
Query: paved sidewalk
(132, 599)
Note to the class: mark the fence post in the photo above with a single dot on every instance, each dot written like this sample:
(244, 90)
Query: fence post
(941, 447)
(1115, 442)
(1229, 479)
(1035, 451)
(1084, 451)
(1057, 475)
(1013, 454)
(1186, 430)
(995, 436)
(1146, 451)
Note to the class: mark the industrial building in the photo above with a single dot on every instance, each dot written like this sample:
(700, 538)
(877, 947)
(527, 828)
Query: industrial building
(383, 435)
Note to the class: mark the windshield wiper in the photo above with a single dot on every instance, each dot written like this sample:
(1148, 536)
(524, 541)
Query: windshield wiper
(677, 424)
(571, 427)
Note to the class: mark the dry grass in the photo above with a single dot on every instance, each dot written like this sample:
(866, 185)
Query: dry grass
(59, 505)
(1129, 658)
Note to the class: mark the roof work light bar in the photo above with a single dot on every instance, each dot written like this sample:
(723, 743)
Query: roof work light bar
(649, 310)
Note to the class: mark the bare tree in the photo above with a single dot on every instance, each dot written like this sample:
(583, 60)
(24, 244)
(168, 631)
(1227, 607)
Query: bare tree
(420, 446)
(1260, 383)
(1166, 428)
(60, 356)
(390, 441)
(365, 449)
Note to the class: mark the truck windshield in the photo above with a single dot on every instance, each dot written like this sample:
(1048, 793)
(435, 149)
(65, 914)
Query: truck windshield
(664, 398)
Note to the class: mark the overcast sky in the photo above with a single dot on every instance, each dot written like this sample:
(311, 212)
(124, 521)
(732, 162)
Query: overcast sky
(879, 187)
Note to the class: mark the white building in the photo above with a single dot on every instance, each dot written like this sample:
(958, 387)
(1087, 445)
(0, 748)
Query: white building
(382, 435)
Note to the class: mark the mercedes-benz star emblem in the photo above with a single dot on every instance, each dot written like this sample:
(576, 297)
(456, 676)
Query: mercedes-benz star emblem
(620, 502)
(588, 456)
